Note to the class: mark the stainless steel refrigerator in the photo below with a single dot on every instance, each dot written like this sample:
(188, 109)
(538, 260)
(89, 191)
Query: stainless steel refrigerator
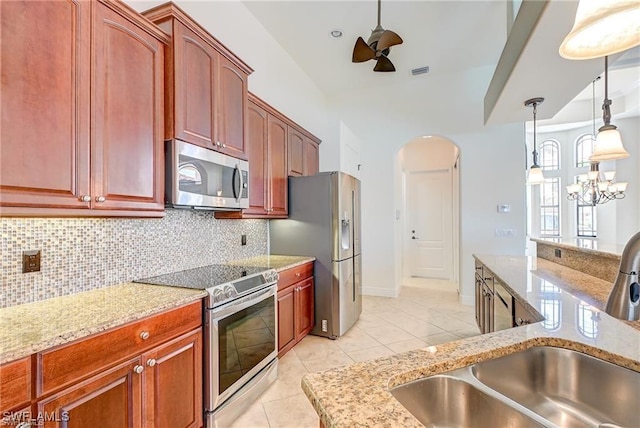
(324, 222)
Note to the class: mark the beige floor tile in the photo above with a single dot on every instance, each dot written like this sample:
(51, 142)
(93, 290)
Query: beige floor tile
(407, 345)
(419, 328)
(370, 353)
(337, 359)
(294, 412)
(470, 331)
(448, 323)
(290, 372)
(356, 339)
(312, 347)
(253, 417)
(388, 334)
(437, 339)
(369, 320)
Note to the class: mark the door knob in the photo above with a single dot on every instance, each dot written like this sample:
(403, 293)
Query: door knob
(413, 237)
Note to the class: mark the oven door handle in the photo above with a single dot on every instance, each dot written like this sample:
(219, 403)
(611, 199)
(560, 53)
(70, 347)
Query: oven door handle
(243, 303)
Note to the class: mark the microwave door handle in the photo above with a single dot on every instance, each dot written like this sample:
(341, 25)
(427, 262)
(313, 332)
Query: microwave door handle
(237, 177)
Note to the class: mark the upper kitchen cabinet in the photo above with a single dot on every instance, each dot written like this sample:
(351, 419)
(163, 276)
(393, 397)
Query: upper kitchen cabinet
(267, 156)
(303, 152)
(81, 130)
(206, 85)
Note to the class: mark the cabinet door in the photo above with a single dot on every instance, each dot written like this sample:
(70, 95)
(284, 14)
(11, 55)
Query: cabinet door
(277, 158)
(15, 384)
(286, 330)
(311, 158)
(258, 160)
(195, 74)
(173, 383)
(44, 132)
(232, 108)
(304, 319)
(296, 153)
(111, 399)
(127, 99)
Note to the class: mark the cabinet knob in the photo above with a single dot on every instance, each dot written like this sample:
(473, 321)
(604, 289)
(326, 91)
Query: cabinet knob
(144, 335)
(224, 146)
(100, 199)
(85, 198)
(138, 368)
(151, 362)
(218, 144)
(298, 274)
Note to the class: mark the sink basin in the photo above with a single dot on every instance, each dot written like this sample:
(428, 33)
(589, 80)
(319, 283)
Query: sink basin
(567, 388)
(445, 401)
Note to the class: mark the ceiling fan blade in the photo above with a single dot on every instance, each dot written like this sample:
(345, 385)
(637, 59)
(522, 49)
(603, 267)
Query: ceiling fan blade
(362, 52)
(388, 39)
(384, 64)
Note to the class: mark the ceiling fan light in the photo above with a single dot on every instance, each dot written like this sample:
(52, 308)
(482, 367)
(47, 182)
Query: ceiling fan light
(602, 28)
(535, 176)
(608, 145)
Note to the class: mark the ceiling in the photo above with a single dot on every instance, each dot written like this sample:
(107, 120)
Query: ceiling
(447, 36)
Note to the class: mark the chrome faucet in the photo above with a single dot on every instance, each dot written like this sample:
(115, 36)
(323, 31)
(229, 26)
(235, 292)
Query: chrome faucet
(624, 299)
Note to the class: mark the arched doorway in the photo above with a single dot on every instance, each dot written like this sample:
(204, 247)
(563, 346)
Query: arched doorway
(428, 171)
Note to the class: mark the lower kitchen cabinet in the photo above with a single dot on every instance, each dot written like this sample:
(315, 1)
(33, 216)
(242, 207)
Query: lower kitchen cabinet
(147, 373)
(15, 385)
(295, 306)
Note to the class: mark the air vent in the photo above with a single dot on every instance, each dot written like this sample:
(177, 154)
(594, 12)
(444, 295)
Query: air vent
(420, 70)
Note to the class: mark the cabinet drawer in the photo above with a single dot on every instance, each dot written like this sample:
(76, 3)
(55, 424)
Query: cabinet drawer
(15, 384)
(70, 363)
(295, 274)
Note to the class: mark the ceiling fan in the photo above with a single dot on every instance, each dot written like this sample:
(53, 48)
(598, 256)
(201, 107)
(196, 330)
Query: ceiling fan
(377, 47)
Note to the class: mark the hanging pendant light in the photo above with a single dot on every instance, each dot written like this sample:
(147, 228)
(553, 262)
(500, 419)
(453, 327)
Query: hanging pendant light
(535, 172)
(602, 27)
(608, 142)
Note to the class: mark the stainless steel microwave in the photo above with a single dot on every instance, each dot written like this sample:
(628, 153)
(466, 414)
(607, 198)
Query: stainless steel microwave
(201, 178)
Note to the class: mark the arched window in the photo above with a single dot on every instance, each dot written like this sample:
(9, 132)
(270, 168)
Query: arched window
(550, 155)
(584, 149)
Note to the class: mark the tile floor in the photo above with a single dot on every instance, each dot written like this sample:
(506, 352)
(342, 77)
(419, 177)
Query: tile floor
(426, 313)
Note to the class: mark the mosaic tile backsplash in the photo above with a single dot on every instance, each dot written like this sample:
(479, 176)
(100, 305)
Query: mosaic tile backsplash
(81, 254)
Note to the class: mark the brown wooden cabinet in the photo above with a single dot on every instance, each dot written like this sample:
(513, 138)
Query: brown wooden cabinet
(295, 306)
(81, 130)
(147, 373)
(206, 85)
(303, 153)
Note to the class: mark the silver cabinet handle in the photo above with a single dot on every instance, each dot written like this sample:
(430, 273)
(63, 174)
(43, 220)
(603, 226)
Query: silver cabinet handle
(144, 335)
(85, 198)
(151, 362)
(138, 369)
(100, 199)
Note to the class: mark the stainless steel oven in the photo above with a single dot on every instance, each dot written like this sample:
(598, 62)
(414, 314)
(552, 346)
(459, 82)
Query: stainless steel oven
(241, 353)
(241, 348)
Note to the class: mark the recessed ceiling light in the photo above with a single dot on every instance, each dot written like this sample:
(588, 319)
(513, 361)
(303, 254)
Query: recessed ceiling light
(336, 34)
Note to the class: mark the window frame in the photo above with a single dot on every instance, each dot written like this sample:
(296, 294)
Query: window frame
(554, 166)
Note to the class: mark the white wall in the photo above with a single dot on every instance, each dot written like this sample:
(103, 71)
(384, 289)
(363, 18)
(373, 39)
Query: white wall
(350, 148)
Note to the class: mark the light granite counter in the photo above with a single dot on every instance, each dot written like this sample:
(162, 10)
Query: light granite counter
(358, 395)
(584, 245)
(33, 327)
(274, 261)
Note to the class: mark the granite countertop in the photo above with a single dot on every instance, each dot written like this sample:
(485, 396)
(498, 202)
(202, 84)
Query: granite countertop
(33, 327)
(584, 245)
(358, 395)
(274, 261)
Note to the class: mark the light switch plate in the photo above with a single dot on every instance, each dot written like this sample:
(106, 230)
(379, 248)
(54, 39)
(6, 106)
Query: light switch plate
(504, 208)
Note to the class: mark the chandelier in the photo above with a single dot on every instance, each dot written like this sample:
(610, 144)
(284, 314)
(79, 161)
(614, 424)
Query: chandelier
(594, 188)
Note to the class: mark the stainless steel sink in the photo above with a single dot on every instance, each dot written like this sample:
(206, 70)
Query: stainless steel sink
(567, 388)
(446, 401)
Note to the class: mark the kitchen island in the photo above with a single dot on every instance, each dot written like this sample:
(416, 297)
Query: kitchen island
(570, 301)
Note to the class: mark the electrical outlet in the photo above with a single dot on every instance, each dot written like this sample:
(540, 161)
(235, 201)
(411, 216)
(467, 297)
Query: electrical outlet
(504, 233)
(243, 240)
(558, 252)
(31, 261)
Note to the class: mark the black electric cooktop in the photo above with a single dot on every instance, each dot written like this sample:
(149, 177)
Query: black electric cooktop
(211, 276)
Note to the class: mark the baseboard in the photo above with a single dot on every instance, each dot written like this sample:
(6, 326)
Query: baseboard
(381, 292)
(468, 300)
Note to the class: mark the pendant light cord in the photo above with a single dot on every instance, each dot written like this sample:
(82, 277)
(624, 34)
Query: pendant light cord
(535, 151)
(379, 2)
(606, 111)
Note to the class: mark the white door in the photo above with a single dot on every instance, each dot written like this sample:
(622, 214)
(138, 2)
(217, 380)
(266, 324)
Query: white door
(430, 226)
